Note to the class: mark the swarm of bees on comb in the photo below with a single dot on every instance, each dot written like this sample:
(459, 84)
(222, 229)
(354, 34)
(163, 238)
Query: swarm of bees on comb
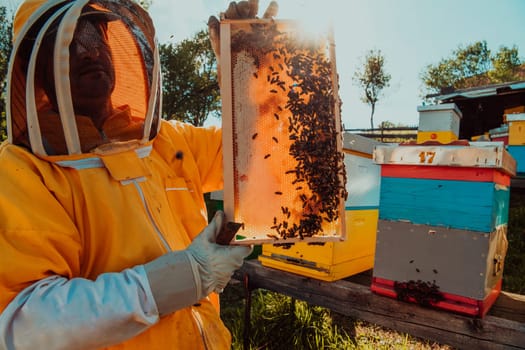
(301, 105)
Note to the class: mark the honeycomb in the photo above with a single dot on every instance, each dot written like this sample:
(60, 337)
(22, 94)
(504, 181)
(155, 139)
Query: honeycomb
(284, 171)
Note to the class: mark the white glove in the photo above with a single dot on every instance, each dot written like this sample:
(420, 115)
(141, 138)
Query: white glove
(180, 279)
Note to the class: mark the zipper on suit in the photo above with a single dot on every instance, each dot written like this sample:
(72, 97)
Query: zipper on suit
(150, 216)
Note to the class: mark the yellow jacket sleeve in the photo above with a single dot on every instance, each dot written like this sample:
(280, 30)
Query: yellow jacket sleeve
(38, 238)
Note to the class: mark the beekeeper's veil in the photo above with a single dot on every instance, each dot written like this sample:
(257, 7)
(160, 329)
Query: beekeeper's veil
(42, 110)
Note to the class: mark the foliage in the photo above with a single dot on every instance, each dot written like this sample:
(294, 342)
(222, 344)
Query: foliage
(372, 78)
(505, 64)
(6, 22)
(470, 66)
(190, 86)
(386, 124)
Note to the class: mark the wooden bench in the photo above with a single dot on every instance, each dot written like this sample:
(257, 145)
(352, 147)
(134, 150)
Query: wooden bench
(502, 328)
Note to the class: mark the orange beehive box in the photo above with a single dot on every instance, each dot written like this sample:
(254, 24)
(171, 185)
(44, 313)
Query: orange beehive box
(283, 158)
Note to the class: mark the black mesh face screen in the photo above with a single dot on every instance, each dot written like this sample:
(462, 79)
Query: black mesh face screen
(89, 36)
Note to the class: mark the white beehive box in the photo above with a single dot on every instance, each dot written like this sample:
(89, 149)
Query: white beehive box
(441, 117)
(364, 175)
(283, 159)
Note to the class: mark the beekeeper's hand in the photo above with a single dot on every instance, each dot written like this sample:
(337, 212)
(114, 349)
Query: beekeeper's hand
(181, 278)
(237, 10)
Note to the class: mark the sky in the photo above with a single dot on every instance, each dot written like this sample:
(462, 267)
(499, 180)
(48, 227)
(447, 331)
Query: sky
(411, 34)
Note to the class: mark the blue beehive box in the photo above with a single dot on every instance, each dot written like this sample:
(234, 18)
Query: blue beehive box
(443, 220)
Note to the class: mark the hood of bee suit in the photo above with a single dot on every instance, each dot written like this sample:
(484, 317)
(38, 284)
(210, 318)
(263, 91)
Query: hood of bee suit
(84, 76)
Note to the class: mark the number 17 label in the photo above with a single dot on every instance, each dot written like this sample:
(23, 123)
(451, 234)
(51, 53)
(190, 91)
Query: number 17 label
(426, 157)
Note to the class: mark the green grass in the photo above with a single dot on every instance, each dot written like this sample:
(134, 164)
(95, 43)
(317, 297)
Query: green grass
(281, 322)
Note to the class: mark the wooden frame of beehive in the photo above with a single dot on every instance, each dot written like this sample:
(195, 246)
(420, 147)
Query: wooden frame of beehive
(284, 175)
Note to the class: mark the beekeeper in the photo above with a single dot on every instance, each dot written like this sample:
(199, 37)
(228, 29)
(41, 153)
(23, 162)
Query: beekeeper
(104, 240)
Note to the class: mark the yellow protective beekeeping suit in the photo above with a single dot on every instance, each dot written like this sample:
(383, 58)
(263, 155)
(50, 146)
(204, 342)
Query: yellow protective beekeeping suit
(84, 204)
(83, 216)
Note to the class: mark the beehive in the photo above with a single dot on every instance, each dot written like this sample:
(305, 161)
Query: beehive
(283, 160)
(335, 260)
(500, 134)
(516, 124)
(438, 123)
(513, 135)
(442, 226)
(512, 110)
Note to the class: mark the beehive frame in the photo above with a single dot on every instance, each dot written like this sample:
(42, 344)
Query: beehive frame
(282, 142)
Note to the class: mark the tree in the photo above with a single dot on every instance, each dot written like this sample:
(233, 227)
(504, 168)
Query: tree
(190, 87)
(505, 64)
(6, 23)
(386, 125)
(470, 66)
(372, 78)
